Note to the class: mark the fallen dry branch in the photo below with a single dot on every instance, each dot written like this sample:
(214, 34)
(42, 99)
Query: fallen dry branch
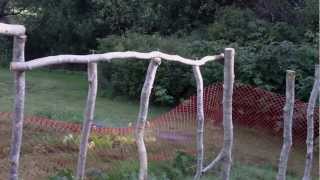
(61, 59)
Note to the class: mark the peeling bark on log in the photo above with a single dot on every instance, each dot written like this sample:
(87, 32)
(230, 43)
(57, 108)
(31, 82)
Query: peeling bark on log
(60, 59)
(12, 29)
(287, 125)
(88, 119)
(18, 115)
(225, 155)
(310, 123)
(200, 121)
(142, 117)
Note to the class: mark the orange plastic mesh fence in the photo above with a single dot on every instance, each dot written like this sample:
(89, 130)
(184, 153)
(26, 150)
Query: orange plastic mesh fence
(253, 108)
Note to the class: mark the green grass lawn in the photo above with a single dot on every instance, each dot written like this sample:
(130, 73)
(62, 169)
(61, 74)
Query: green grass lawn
(61, 95)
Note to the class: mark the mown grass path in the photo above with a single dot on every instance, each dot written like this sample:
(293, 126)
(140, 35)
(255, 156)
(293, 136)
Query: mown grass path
(62, 94)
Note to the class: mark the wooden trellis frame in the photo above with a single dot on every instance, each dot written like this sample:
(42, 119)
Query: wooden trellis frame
(19, 66)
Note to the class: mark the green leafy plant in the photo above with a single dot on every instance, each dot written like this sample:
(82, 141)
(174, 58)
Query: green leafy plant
(65, 174)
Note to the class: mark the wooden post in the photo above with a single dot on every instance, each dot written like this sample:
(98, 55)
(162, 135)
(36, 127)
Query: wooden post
(200, 121)
(225, 154)
(18, 114)
(310, 124)
(88, 119)
(287, 125)
(227, 111)
(142, 117)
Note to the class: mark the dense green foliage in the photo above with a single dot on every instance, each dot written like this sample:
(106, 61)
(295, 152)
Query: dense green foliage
(264, 51)
(269, 37)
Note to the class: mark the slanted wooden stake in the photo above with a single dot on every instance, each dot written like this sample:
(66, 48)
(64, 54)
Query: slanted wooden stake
(225, 154)
(200, 121)
(287, 125)
(88, 119)
(142, 117)
(310, 124)
(18, 115)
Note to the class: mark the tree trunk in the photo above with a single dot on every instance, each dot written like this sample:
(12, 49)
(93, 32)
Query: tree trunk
(287, 126)
(88, 119)
(18, 115)
(142, 117)
(200, 121)
(310, 124)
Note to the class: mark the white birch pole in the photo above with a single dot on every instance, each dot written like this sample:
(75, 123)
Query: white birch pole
(85, 59)
(12, 29)
(88, 119)
(227, 112)
(310, 124)
(142, 117)
(18, 115)
(225, 155)
(287, 125)
(200, 121)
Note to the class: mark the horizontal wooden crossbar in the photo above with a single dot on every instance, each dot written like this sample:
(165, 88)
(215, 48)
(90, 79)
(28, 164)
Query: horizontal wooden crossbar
(85, 59)
(12, 29)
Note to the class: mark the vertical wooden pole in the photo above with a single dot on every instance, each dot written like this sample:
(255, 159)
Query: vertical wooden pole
(200, 121)
(88, 119)
(310, 124)
(18, 114)
(227, 111)
(142, 117)
(225, 155)
(287, 125)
